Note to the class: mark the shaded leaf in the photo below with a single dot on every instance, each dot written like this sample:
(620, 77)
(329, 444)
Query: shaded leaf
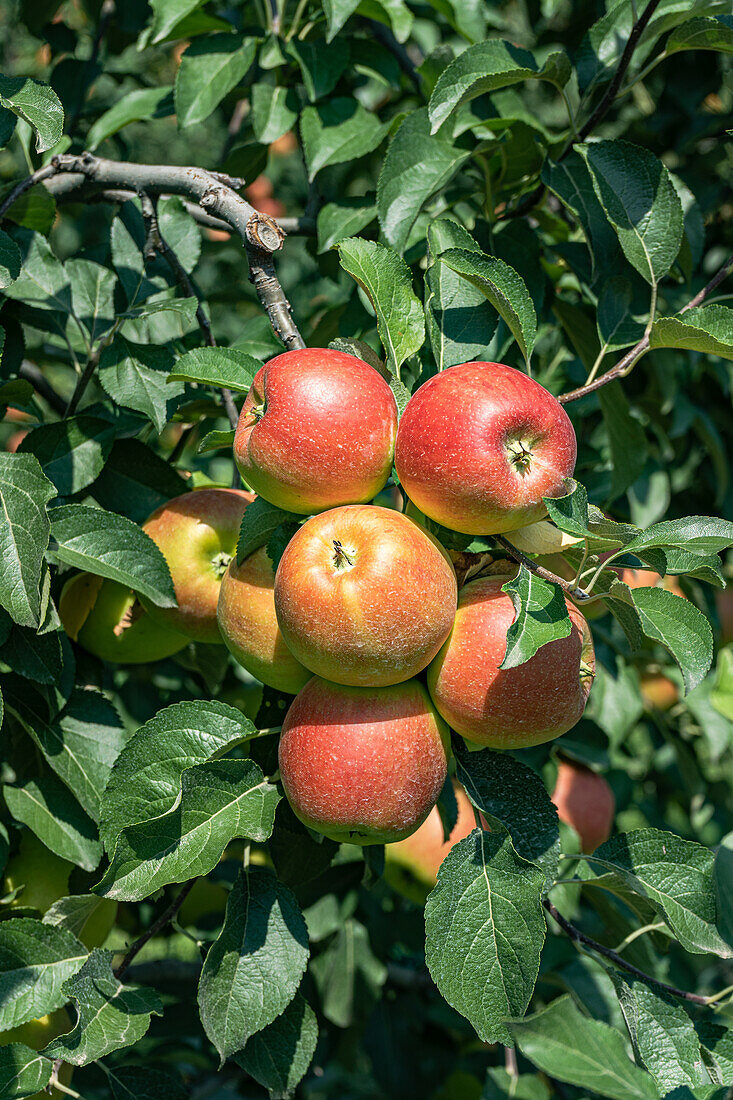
(210, 67)
(24, 533)
(35, 961)
(541, 616)
(50, 810)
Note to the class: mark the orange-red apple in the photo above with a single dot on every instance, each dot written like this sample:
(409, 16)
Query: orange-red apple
(658, 691)
(364, 596)
(363, 765)
(480, 444)
(248, 624)
(317, 429)
(197, 535)
(513, 707)
(584, 800)
(412, 864)
(108, 620)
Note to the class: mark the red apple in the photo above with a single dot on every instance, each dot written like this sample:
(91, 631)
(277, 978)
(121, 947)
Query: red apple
(248, 625)
(412, 864)
(658, 691)
(197, 535)
(584, 800)
(514, 707)
(317, 430)
(108, 620)
(364, 596)
(480, 444)
(364, 765)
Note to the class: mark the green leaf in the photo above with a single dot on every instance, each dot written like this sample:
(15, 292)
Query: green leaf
(35, 961)
(220, 800)
(626, 439)
(337, 12)
(674, 875)
(489, 970)
(717, 1044)
(336, 131)
(387, 281)
(23, 1072)
(571, 181)
(504, 288)
(80, 744)
(43, 281)
(9, 260)
(344, 218)
(140, 104)
(415, 168)
(135, 481)
(211, 66)
(486, 67)
(570, 1047)
(37, 104)
(468, 17)
(72, 452)
(707, 329)
(92, 295)
(253, 969)
(50, 810)
(24, 531)
(699, 535)
(348, 974)
(216, 367)
(259, 522)
(110, 1015)
(617, 326)
(678, 625)
(513, 794)
(109, 545)
(274, 111)
(460, 320)
(541, 616)
(321, 65)
(702, 34)
(136, 376)
(81, 914)
(723, 879)
(145, 1083)
(640, 201)
(216, 441)
(34, 209)
(278, 1057)
(662, 1034)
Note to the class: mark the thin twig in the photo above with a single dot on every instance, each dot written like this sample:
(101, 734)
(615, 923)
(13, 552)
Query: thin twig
(624, 365)
(577, 936)
(83, 381)
(42, 386)
(165, 917)
(25, 185)
(384, 35)
(510, 1061)
(570, 587)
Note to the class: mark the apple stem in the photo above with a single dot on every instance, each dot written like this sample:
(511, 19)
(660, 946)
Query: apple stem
(578, 594)
(340, 557)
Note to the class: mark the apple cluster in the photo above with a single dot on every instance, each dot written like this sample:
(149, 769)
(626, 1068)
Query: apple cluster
(363, 620)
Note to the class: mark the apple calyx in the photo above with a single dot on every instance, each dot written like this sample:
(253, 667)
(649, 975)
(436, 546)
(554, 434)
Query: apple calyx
(342, 559)
(134, 612)
(258, 411)
(520, 455)
(220, 563)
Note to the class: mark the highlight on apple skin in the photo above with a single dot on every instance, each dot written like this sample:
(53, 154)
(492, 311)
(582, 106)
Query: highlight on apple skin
(480, 444)
(249, 628)
(515, 707)
(364, 596)
(108, 620)
(584, 800)
(317, 429)
(363, 765)
(197, 534)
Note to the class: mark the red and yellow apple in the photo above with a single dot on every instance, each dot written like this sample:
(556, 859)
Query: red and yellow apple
(412, 864)
(197, 534)
(514, 707)
(364, 596)
(317, 429)
(363, 765)
(108, 620)
(584, 800)
(480, 444)
(248, 624)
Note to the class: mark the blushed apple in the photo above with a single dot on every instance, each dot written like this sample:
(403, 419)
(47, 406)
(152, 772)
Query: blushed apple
(108, 620)
(480, 444)
(248, 624)
(197, 534)
(584, 800)
(317, 429)
(364, 596)
(363, 765)
(514, 707)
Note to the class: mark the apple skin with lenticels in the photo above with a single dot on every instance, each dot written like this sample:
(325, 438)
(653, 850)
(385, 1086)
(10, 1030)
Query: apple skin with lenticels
(364, 596)
(317, 429)
(514, 707)
(584, 800)
(197, 534)
(480, 444)
(248, 624)
(363, 765)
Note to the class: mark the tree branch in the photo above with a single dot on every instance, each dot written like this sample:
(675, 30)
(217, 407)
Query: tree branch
(624, 365)
(579, 937)
(578, 594)
(165, 918)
